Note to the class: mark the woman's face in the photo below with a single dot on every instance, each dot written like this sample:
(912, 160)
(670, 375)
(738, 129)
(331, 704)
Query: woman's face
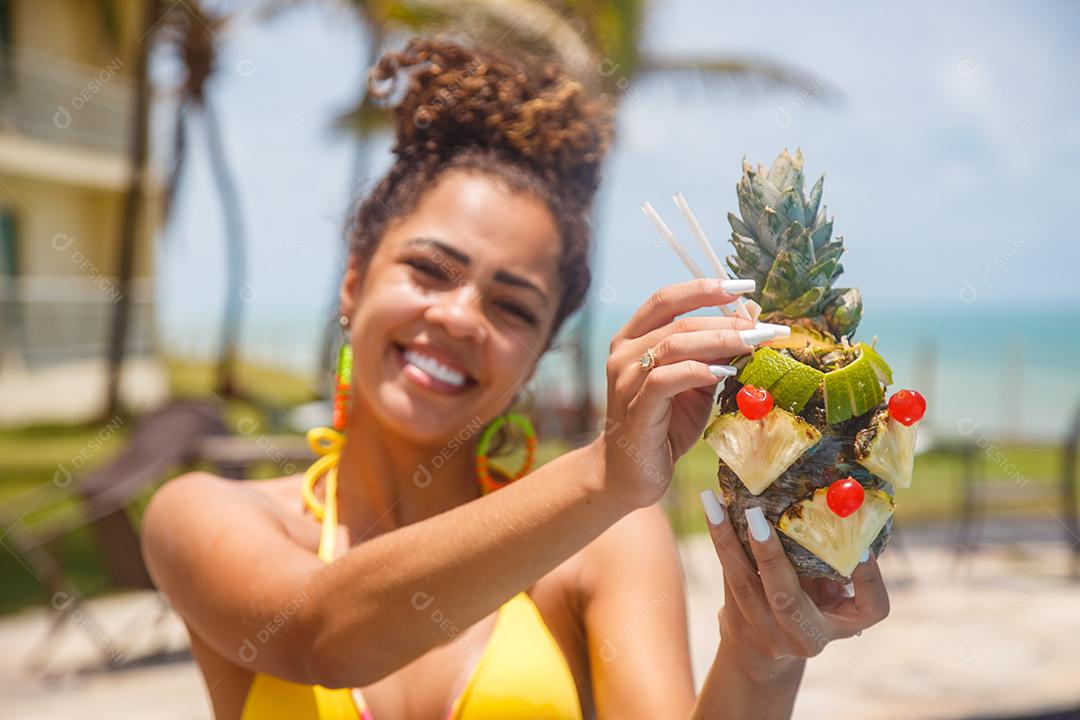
(455, 309)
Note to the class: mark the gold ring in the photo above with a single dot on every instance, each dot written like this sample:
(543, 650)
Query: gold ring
(648, 360)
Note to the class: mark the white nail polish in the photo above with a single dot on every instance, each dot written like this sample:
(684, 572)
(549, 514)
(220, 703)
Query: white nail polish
(714, 511)
(724, 371)
(757, 334)
(780, 331)
(865, 555)
(738, 286)
(759, 526)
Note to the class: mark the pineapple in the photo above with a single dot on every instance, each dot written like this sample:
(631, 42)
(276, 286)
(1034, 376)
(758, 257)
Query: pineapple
(887, 449)
(813, 524)
(758, 451)
(817, 376)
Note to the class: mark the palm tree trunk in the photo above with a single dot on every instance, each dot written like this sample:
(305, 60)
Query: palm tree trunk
(129, 223)
(234, 254)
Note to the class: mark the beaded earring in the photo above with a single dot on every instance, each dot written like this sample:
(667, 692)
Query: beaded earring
(327, 445)
(343, 381)
(483, 470)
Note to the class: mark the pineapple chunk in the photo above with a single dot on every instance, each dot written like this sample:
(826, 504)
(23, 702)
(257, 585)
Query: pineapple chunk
(839, 541)
(887, 449)
(759, 451)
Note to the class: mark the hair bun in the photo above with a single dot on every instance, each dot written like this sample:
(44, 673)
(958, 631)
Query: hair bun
(531, 111)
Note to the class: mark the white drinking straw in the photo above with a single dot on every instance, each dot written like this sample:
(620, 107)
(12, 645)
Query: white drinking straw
(737, 307)
(665, 232)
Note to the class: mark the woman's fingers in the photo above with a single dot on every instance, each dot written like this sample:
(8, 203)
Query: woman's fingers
(705, 339)
(718, 324)
(792, 610)
(771, 598)
(670, 301)
(740, 576)
(870, 604)
(703, 345)
(652, 404)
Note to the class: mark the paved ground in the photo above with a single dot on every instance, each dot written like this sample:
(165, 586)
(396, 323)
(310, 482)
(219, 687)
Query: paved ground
(1001, 640)
(71, 392)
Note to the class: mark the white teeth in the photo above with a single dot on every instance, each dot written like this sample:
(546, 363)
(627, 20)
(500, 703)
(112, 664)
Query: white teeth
(435, 369)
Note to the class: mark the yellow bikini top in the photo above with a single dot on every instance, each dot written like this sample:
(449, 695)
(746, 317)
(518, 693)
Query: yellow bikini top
(520, 674)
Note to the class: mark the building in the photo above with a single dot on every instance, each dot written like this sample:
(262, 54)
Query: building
(66, 113)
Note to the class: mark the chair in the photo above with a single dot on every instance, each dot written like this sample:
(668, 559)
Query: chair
(161, 441)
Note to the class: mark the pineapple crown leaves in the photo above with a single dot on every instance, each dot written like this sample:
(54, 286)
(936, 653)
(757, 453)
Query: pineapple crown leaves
(784, 242)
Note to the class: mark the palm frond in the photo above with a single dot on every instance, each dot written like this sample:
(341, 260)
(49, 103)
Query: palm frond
(530, 25)
(364, 118)
(526, 25)
(745, 74)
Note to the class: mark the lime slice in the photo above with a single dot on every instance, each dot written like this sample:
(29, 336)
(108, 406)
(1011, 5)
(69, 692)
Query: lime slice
(766, 368)
(796, 388)
(790, 382)
(881, 368)
(853, 389)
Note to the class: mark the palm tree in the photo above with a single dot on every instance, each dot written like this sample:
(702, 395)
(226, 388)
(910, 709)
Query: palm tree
(193, 32)
(133, 197)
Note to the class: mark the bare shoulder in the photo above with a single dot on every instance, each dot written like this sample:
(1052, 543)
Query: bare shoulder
(192, 498)
(634, 610)
(198, 508)
(640, 545)
(224, 554)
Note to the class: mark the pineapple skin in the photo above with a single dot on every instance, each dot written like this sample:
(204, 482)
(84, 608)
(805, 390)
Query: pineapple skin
(833, 458)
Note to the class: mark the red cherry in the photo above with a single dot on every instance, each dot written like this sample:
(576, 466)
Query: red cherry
(907, 407)
(845, 496)
(754, 402)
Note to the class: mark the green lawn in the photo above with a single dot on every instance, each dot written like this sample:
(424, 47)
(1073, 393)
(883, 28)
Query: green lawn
(30, 459)
(933, 495)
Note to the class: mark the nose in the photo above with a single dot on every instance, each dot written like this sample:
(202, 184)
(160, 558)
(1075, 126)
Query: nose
(461, 313)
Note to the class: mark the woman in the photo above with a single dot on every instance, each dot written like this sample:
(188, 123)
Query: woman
(417, 595)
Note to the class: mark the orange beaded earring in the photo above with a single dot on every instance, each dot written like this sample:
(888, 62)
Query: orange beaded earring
(343, 381)
(483, 470)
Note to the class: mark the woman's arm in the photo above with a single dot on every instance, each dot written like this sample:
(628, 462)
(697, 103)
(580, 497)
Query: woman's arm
(261, 600)
(239, 581)
(764, 690)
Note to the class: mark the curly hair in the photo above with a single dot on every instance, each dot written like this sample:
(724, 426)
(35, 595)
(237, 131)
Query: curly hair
(515, 118)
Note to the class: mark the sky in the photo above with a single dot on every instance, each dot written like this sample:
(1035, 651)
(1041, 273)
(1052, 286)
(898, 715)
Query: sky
(948, 149)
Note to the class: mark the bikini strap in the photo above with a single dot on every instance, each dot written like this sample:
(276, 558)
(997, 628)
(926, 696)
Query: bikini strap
(327, 444)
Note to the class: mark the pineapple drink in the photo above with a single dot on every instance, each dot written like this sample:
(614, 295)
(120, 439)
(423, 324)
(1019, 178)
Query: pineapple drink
(806, 433)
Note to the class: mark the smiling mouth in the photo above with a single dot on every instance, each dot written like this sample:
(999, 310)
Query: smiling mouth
(431, 373)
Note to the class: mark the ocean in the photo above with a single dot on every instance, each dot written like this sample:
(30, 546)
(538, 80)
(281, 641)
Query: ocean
(1005, 374)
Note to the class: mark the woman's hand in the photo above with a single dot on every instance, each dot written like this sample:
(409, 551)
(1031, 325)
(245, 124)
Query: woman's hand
(770, 615)
(654, 416)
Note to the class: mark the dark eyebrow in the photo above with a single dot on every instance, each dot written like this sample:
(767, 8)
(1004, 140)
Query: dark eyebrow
(500, 275)
(511, 279)
(448, 249)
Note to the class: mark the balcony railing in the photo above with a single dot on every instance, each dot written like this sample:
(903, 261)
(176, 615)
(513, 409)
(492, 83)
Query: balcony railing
(60, 101)
(53, 319)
